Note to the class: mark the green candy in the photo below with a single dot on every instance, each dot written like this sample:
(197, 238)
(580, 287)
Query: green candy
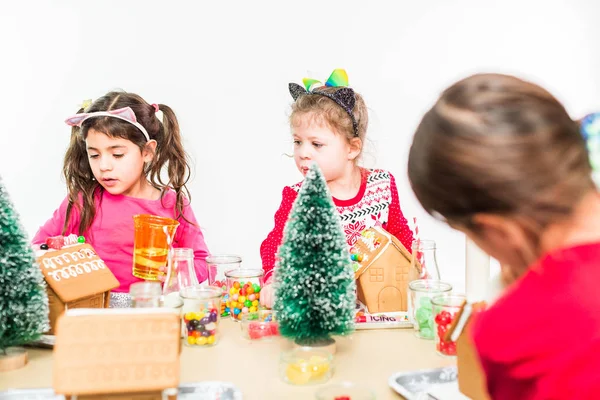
(248, 303)
(425, 302)
(80, 239)
(256, 288)
(423, 315)
(426, 333)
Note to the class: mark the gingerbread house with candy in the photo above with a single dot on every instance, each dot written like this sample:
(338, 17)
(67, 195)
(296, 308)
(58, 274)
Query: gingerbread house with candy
(381, 270)
(76, 276)
(471, 378)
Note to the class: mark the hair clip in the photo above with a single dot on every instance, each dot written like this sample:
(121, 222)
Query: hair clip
(86, 103)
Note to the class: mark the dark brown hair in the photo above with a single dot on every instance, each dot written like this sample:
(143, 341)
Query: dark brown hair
(169, 154)
(323, 109)
(497, 144)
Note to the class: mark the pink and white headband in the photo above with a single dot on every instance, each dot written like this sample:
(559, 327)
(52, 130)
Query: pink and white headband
(126, 114)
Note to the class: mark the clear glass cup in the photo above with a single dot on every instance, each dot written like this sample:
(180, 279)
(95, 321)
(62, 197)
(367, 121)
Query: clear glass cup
(217, 265)
(345, 390)
(145, 294)
(182, 272)
(420, 309)
(153, 238)
(201, 315)
(305, 366)
(243, 287)
(445, 309)
(423, 263)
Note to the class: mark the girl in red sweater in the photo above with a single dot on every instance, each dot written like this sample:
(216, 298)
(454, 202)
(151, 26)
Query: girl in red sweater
(329, 126)
(501, 160)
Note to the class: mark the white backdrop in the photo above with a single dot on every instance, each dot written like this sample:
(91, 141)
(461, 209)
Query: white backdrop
(224, 67)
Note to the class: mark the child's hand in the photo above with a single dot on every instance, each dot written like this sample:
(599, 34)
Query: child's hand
(267, 296)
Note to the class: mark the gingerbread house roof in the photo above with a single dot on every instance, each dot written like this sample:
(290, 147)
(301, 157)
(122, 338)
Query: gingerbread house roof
(75, 272)
(371, 245)
(101, 351)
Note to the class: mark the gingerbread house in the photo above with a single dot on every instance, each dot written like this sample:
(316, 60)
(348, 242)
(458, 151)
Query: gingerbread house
(117, 354)
(76, 278)
(471, 378)
(382, 271)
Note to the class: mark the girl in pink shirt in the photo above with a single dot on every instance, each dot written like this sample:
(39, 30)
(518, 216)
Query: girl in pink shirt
(501, 160)
(124, 160)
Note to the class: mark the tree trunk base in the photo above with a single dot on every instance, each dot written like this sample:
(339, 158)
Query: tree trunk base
(15, 358)
(327, 345)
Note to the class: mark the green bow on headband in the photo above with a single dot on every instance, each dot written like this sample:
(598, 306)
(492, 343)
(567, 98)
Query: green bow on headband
(338, 78)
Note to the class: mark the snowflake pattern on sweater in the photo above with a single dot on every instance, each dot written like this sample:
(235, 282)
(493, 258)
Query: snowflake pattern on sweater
(376, 204)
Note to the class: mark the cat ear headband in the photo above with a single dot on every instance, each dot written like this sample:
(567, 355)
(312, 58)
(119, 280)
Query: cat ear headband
(125, 114)
(343, 97)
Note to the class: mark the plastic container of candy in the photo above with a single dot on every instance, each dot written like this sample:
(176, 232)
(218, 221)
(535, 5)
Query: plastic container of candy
(305, 366)
(259, 325)
(244, 286)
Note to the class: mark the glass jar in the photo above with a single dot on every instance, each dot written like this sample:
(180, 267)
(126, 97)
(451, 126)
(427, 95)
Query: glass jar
(145, 294)
(445, 309)
(182, 272)
(420, 309)
(201, 315)
(423, 261)
(259, 325)
(217, 265)
(243, 287)
(305, 366)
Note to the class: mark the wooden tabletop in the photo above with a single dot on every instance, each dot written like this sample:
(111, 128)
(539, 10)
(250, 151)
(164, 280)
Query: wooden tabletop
(368, 357)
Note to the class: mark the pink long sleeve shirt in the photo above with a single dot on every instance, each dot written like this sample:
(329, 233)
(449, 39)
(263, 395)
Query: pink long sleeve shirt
(111, 233)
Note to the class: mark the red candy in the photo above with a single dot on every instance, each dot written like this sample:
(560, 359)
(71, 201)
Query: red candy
(56, 242)
(443, 321)
(342, 398)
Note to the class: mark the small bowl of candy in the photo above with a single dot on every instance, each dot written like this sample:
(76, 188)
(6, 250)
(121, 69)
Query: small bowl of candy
(345, 391)
(305, 366)
(259, 325)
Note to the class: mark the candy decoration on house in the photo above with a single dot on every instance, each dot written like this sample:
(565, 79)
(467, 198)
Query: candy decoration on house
(314, 284)
(23, 300)
(382, 271)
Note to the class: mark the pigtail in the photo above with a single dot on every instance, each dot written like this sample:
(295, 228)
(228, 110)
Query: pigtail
(170, 153)
(80, 181)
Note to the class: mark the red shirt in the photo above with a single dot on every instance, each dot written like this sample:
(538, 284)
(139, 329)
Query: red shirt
(376, 203)
(541, 339)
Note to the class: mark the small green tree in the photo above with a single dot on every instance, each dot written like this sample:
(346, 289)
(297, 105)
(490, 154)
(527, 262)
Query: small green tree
(23, 298)
(315, 290)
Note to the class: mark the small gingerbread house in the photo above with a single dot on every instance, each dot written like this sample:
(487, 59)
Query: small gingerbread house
(76, 278)
(117, 353)
(471, 378)
(382, 271)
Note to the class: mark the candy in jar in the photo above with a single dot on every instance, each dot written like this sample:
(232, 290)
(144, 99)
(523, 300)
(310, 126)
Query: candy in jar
(243, 288)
